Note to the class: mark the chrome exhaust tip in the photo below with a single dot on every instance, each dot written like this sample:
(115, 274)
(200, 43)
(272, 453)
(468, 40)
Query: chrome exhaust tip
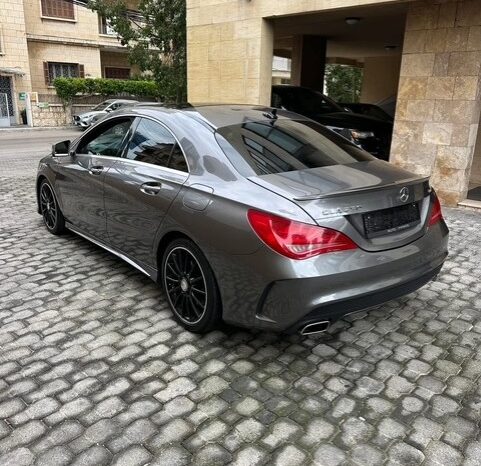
(315, 327)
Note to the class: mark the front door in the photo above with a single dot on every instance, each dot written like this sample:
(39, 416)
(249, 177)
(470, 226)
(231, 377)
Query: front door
(7, 114)
(81, 176)
(140, 188)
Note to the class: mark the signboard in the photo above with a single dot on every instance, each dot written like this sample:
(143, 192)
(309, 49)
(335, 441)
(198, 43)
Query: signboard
(22, 96)
(43, 105)
(34, 97)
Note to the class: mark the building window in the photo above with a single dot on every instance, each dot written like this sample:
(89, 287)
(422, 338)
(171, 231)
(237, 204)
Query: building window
(117, 73)
(62, 9)
(105, 27)
(53, 70)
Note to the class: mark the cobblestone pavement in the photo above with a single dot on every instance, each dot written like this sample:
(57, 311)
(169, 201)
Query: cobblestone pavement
(93, 370)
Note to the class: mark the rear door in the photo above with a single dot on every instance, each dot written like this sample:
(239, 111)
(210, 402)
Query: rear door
(81, 176)
(141, 187)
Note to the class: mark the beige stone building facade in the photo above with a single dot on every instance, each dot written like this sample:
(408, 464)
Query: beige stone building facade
(424, 55)
(44, 39)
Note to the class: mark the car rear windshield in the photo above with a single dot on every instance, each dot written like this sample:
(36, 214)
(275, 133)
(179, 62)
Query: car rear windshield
(282, 145)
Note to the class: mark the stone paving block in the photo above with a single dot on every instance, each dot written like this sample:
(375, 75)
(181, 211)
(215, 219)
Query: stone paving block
(174, 431)
(174, 455)
(58, 456)
(22, 435)
(58, 435)
(136, 455)
(250, 456)
(136, 433)
(18, 457)
(70, 410)
(329, 455)
(94, 456)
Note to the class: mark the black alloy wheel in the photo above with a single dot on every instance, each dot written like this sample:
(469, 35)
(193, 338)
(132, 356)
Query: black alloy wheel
(50, 210)
(190, 286)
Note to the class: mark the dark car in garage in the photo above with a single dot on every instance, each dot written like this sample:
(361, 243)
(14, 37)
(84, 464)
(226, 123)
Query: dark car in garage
(371, 134)
(368, 109)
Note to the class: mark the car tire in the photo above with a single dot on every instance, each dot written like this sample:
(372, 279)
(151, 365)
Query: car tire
(190, 287)
(53, 218)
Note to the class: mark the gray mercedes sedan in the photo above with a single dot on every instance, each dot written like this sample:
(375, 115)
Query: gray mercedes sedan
(258, 217)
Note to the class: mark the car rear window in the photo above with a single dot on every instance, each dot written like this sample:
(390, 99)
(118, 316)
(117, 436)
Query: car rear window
(282, 145)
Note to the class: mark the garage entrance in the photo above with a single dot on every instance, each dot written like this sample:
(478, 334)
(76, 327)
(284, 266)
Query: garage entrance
(369, 37)
(365, 43)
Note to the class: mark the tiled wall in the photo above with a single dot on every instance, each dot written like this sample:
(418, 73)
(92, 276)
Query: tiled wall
(438, 104)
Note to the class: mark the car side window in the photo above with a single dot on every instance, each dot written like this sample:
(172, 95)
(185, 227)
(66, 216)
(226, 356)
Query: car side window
(106, 139)
(154, 144)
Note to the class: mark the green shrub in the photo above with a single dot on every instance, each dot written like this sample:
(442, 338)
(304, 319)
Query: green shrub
(68, 88)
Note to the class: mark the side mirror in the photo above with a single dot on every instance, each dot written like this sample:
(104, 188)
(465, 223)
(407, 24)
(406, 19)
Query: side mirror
(108, 110)
(61, 149)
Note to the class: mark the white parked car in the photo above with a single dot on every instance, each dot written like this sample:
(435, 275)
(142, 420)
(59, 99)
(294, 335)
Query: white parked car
(84, 120)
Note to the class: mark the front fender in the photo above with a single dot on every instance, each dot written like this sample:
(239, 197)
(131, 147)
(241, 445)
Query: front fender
(44, 172)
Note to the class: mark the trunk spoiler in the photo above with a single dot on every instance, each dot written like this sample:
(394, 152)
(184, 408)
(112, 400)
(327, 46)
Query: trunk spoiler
(406, 181)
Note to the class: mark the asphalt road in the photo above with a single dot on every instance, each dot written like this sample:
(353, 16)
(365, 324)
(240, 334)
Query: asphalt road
(94, 371)
(21, 142)
(21, 149)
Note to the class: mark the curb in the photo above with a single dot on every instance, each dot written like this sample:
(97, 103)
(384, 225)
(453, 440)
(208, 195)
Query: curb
(35, 128)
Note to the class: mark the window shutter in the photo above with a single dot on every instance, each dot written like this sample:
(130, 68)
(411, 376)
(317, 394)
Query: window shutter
(46, 73)
(81, 71)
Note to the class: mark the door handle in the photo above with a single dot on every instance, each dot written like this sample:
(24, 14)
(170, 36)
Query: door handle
(151, 188)
(96, 170)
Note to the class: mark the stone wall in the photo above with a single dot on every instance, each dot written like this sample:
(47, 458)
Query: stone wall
(53, 115)
(438, 104)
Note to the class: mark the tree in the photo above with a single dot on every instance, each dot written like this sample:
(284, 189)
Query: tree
(155, 37)
(343, 83)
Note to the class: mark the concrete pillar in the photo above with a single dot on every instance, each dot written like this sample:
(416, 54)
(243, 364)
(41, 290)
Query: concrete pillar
(380, 78)
(308, 61)
(438, 108)
(230, 61)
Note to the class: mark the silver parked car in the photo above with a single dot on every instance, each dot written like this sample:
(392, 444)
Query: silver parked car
(86, 119)
(255, 216)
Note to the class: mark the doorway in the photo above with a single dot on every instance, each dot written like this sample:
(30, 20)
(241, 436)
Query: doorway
(7, 113)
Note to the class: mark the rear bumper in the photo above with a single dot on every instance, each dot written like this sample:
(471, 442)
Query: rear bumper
(334, 311)
(275, 294)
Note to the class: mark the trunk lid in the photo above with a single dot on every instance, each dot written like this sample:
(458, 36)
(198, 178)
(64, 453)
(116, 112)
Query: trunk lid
(378, 205)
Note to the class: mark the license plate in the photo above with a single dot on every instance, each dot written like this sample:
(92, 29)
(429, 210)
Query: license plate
(394, 219)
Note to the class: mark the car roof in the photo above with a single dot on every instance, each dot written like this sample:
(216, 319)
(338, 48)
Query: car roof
(293, 87)
(214, 115)
(122, 100)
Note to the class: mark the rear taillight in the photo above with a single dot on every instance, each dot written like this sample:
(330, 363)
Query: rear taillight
(436, 213)
(297, 240)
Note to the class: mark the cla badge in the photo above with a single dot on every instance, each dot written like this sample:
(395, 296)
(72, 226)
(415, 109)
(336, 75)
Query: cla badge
(404, 194)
